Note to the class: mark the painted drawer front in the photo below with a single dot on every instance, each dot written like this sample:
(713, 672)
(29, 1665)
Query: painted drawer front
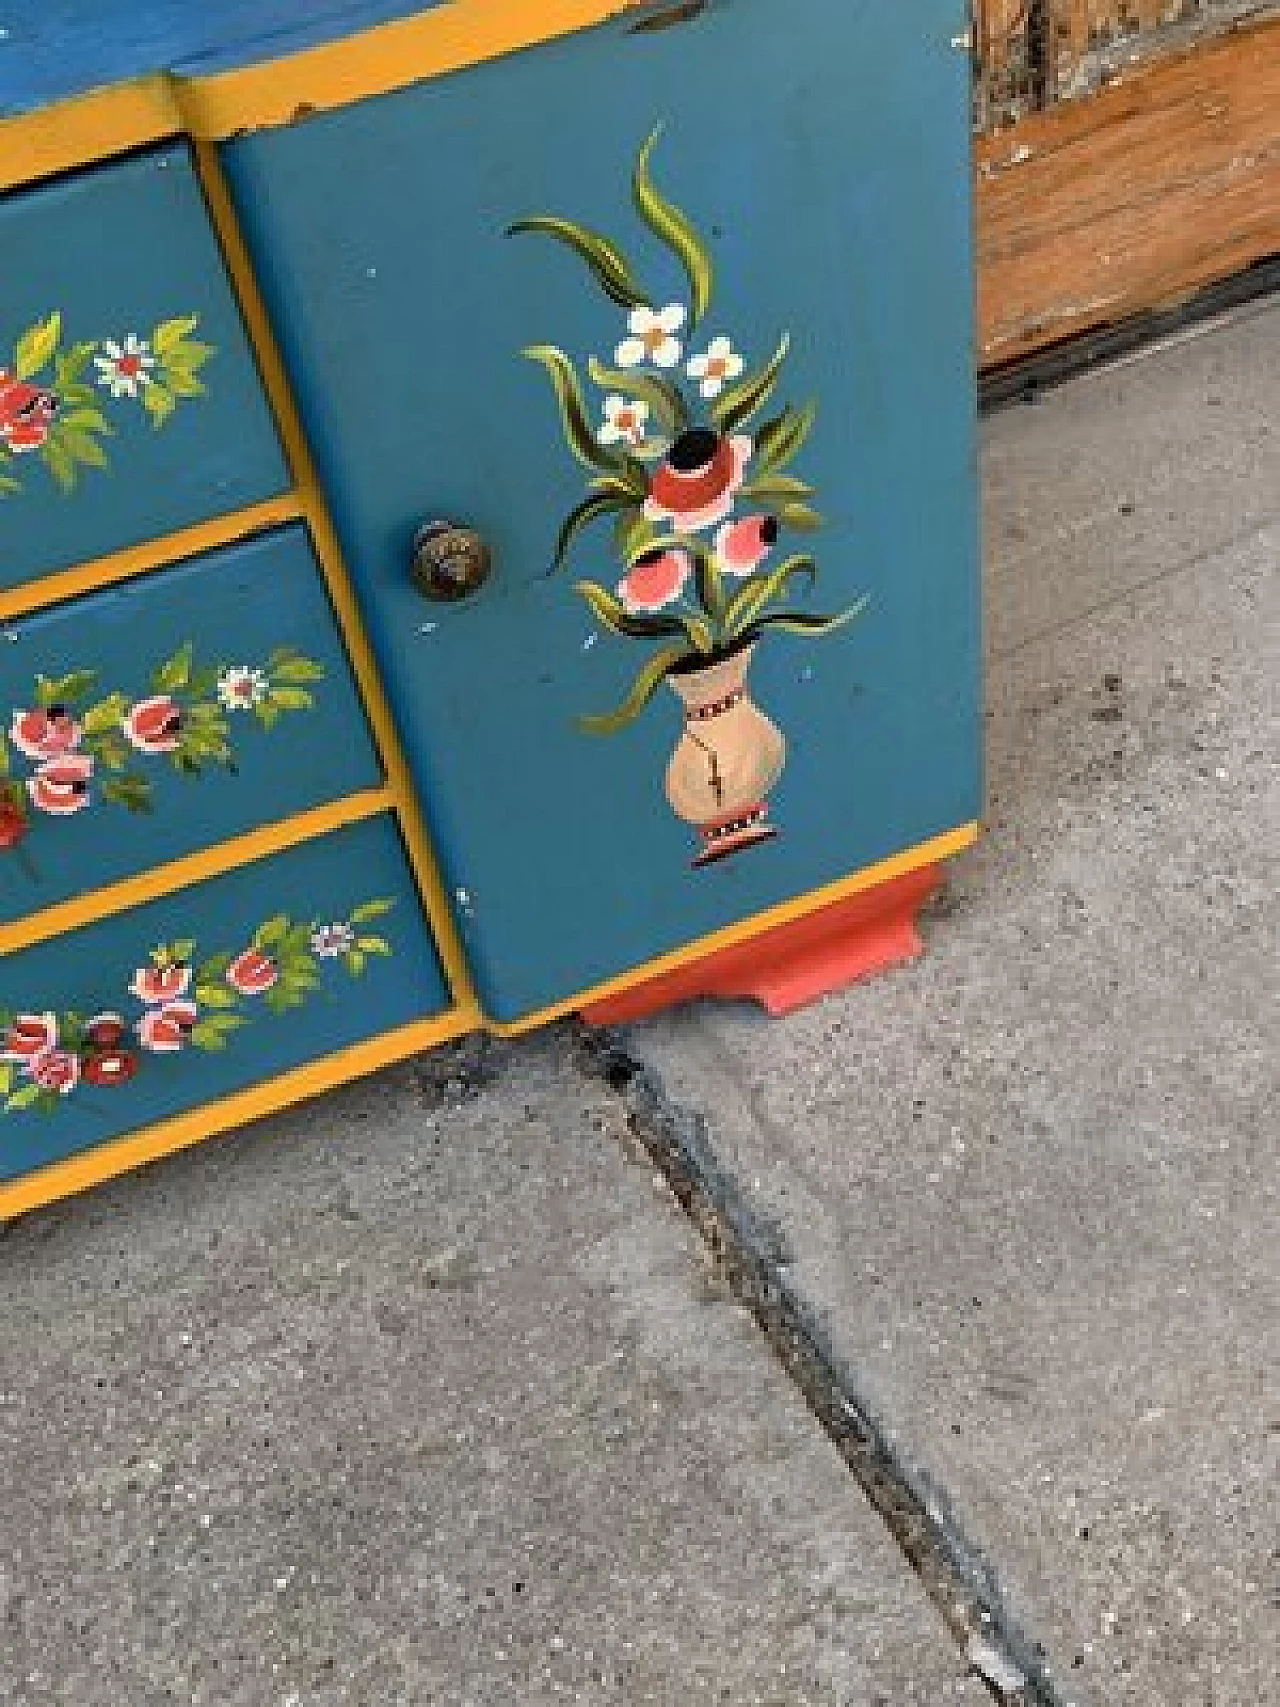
(791, 256)
(130, 404)
(166, 714)
(111, 1028)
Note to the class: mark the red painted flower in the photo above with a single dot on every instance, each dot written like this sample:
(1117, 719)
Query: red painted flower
(30, 1035)
(61, 785)
(110, 1067)
(160, 983)
(167, 1028)
(14, 822)
(154, 725)
(655, 579)
(743, 546)
(104, 1031)
(252, 972)
(26, 413)
(56, 1070)
(45, 734)
(695, 485)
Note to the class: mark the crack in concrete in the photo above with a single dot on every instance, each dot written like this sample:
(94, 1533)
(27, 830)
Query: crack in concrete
(750, 1255)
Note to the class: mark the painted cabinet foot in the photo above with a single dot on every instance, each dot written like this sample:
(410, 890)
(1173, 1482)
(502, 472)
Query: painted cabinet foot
(785, 968)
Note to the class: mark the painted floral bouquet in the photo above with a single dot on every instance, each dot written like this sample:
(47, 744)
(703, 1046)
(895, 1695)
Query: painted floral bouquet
(700, 495)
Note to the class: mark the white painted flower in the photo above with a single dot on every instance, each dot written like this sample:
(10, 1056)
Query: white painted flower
(625, 421)
(240, 687)
(653, 337)
(720, 364)
(125, 366)
(330, 941)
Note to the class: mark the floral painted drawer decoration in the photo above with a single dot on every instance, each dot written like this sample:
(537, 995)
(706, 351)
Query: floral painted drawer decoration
(700, 494)
(53, 394)
(71, 744)
(179, 1003)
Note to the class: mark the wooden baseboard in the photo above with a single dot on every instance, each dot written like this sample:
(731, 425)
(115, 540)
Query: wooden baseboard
(1132, 199)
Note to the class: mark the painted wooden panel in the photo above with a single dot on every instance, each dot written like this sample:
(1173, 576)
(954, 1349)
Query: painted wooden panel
(130, 404)
(830, 188)
(65, 47)
(208, 991)
(166, 714)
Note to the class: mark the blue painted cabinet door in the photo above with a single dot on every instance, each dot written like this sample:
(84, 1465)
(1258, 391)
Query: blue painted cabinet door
(756, 322)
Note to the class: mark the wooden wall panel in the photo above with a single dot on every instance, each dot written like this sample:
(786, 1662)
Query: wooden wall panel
(1164, 182)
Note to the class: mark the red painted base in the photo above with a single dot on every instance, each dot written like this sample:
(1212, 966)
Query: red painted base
(793, 964)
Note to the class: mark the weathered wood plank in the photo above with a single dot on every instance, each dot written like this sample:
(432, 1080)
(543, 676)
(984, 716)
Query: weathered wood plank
(1165, 182)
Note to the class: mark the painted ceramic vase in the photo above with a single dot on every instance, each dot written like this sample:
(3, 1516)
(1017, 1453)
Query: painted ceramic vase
(728, 758)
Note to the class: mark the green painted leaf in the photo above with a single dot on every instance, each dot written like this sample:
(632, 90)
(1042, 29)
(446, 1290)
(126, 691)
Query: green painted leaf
(206, 1035)
(355, 961)
(60, 464)
(710, 583)
(664, 399)
(267, 713)
(8, 484)
(762, 590)
(582, 515)
(171, 332)
(70, 365)
(100, 719)
(777, 486)
(24, 1098)
(737, 405)
(643, 689)
(7, 1071)
(674, 228)
(612, 614)
(371, 910)
(793, 622)
(294, 669)
(779, 440)
(215, 995)
(634, 534)
(182, 383)
(373, 945)
(292, 699)
(36, 346)
(129, 791)
(272, 931)
(802, 517)
(578, 433)
(64, 690)
(87, 420)
(608, 265)
(159, 402)
(175, 672)
(80, 446)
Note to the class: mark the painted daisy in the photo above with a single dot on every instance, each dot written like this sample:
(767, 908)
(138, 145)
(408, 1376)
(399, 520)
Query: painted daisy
(625, 422)
(328, 942)
(720, 363)
(123, 367)
(653, 337)
(240, 687)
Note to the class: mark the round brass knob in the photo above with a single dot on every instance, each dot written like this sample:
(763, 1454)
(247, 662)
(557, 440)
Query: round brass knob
(449, 561)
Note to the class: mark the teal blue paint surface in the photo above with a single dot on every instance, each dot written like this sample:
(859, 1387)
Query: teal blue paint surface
(89, 971)
(236, 606)
(58, 48)
(118, 251)
(823, 146)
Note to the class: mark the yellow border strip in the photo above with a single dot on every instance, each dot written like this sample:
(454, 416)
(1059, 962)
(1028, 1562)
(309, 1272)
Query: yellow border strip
(329, 554)
(374, 61)
(729, 936)
(214, 861)
(122, 1155)
(153, 554)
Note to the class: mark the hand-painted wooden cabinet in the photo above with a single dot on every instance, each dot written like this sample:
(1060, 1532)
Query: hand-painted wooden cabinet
(487, 530)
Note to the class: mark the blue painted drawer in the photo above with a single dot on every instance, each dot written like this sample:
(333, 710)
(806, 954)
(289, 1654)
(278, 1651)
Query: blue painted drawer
(762, 312)
(130, 404)
(166, 714)
(223, 986)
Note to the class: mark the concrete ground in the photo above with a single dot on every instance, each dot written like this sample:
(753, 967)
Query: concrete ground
(430, 1393)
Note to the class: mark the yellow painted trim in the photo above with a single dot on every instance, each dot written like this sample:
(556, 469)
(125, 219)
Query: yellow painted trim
(911, 859)
(329, 552)
(122, 1155)
(151, 555)
(178, 874)
(374, 61)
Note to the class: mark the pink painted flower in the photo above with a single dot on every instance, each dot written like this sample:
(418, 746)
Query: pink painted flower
(252, 972)
(61, 786)
(26, 413)
(695, 485)
(14, 822)
(110, 1067)
(104, 1031)
(160, 983)
(655, 580)
(743, 546)
(153, 725)
(56, 1070)
(167, 1028)
(45, 734)
(30, 1035)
